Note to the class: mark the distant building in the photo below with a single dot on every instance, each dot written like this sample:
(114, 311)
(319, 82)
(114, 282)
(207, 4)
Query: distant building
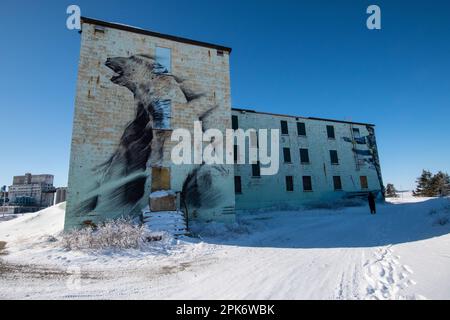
(61, 194)
(32, 191)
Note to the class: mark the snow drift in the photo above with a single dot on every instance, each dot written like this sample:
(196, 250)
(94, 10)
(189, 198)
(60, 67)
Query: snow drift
(345, 253)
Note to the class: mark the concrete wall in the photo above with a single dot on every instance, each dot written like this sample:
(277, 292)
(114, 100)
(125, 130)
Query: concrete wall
(270, 191)
(117, 137)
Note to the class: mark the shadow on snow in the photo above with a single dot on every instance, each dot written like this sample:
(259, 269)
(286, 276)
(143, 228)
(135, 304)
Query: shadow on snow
(342, 228)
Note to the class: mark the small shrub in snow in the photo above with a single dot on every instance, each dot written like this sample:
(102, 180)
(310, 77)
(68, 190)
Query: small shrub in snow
(115, 234)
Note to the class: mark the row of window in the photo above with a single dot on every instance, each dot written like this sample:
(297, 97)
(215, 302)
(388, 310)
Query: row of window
(306, 182)
(301, 128)
(304, 156)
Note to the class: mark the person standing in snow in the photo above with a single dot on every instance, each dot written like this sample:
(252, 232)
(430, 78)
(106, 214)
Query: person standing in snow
(371, 198)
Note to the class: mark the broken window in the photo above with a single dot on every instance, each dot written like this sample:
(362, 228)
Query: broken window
(284, 127)
(237, 185)
(330, 132)
(287, 155)
(364, 182)
(164, 59)
(301, 129)
(256, 170)
(356, 133)
(289, 183)
(307, 183)
(334, 157)
(234, 122)
(304, 156)
(337, 183)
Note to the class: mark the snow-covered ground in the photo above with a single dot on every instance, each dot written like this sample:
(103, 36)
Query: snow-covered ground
(403, 252)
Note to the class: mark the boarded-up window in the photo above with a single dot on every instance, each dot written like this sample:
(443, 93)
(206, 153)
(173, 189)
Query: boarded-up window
(256, 169)
(307, 183)
(364, 182)
(237, 185)
(234, 122)
(334, 157)
(160, 178)
(287, 155)
(301, 129)
(304, 156)
(164, 59)
(337, 183)
(162, 114)
(284, 127)
(289, 183)
(330, 132)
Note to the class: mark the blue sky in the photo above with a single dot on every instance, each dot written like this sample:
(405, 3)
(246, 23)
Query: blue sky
(309, 58)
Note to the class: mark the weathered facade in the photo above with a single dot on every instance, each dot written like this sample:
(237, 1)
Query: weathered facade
(321, 161)
(135, 87)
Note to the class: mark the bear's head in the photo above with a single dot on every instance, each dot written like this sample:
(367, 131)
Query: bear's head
(134, 71)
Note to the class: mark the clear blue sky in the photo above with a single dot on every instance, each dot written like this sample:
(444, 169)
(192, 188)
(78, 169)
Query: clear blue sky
(310, 58)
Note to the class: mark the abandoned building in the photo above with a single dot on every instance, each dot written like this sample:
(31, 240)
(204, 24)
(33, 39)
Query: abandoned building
(135, 87)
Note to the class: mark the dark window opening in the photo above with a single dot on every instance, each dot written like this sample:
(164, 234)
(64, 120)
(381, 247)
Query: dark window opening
(234, 122)
(289, 183)
(307, 183)
(256, 169)
(334, 157)
(287, 155)
(236, 151)
(284, 127)
(337, 183)
(304, 156)
(330, 132)
(356, 133)
(220, 53)
(301, 129)
(237, 185)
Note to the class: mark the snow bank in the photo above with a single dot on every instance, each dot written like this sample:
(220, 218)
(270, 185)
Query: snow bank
(47, 222)
(347, 253)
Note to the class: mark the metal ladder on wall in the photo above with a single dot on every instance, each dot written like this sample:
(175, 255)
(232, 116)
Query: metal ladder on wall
(354, 145)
